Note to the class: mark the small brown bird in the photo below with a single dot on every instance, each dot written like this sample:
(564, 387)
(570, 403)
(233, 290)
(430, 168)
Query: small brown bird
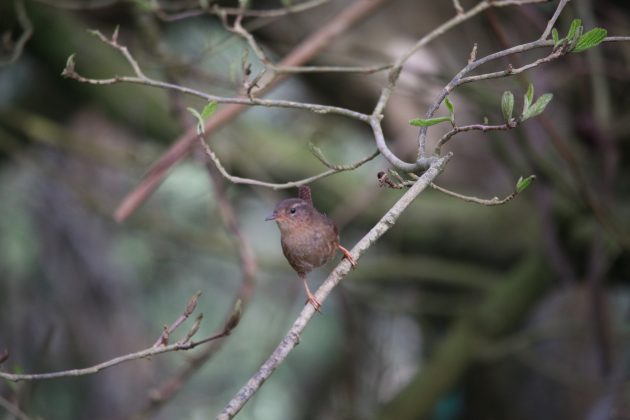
(309, 238)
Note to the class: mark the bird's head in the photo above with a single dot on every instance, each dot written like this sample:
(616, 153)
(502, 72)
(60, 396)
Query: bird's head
(291, 212)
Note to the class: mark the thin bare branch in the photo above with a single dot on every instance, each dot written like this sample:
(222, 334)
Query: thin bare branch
(237, 11)
(275, 186)
(381, 144)
(400, 183)
(472, 127)
(617, 39)
(183, 344)
(27, 31)
(495, 201)
(238, 29)
(510, 71)
(553, 20)
(13, 409)
(140, 78)
(458, 7)
(79, 4)
(168, 330)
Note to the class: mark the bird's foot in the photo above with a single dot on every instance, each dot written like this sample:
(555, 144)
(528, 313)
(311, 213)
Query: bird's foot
(313, 301)
(348, 256)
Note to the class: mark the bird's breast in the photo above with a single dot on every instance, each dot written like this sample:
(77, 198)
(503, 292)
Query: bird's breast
(309, 248)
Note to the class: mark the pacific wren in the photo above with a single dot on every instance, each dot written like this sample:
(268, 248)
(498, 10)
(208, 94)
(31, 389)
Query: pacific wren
(309, 238)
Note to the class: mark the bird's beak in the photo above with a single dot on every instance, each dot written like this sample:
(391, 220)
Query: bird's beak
(272, 216)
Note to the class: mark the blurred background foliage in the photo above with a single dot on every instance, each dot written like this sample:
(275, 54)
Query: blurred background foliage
(460, 312)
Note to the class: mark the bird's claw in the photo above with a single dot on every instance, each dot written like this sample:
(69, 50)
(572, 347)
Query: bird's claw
(348, 256)
(313, 301)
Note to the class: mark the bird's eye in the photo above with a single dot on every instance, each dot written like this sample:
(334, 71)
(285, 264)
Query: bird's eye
(293, 210)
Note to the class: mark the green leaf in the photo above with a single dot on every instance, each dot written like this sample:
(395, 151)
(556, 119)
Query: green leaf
(528, 98)
(208, 110)
(530, 93)
(449, 105)
(507, 105)
(451, 109)
(428, 122)
(590, 39)
(537, 107)
(555, 36)
(523, 183)
(573, 29)
(578, 35)
(200, 124)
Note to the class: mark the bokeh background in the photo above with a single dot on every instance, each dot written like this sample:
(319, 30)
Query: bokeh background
(461, 311)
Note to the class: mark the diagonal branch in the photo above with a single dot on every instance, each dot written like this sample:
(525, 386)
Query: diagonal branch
(292, 338)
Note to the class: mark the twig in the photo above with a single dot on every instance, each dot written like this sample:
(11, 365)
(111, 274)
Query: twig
(511, 71)
(79, 4)
(236, 11)
(168, 330)
(473, 127)
(142, 354)
(553, 20)
(13, 409)
(458, 7)
(238, 29)
(320, 156)
(377, 130)
(183, 344)
(140, 78)
(383, 180)
(292, 338)
(275, 186)
(27, 32)
(495, 201)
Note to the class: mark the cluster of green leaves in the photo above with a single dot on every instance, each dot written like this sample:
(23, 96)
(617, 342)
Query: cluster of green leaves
(530, 108)
(577, 40)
